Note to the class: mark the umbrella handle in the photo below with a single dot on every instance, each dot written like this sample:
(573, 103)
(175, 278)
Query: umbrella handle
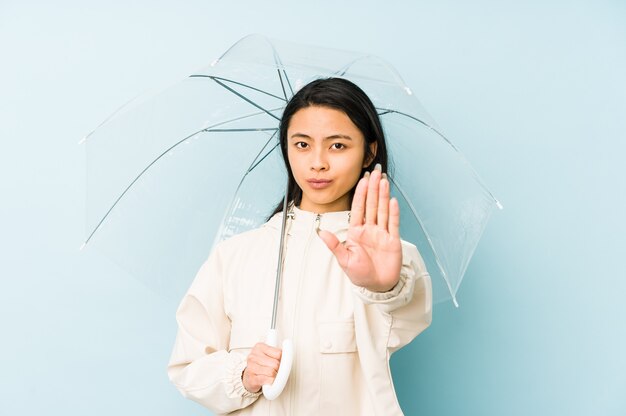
(272, 391)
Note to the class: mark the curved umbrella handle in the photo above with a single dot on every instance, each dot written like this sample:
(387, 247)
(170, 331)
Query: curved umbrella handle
(272, 391)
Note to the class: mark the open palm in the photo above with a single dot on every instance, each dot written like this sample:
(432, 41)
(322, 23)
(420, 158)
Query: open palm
(372, 253)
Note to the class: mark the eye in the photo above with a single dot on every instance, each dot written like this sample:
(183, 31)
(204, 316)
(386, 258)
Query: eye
(301, 145)
(338, 146)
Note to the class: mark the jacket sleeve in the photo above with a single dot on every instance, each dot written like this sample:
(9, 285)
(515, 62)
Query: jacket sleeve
(385, 322)
(407, 308)
(200, 366)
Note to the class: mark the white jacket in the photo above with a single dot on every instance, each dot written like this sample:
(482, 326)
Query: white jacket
(343, 334)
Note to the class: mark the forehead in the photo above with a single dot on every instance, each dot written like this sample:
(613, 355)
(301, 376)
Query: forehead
(318, 121)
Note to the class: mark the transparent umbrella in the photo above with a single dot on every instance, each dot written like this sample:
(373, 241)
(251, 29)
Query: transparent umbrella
(170, 174)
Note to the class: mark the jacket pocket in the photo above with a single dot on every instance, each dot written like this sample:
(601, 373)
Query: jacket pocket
(336, 337)
(339, 369)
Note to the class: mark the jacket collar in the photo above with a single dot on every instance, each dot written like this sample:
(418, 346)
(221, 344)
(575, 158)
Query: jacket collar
(299, 221)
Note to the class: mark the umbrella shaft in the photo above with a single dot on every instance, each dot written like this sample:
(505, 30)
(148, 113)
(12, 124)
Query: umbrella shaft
(279, 269)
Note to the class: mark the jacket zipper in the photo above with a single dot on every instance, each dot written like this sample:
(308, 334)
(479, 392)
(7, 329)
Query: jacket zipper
(295, 321)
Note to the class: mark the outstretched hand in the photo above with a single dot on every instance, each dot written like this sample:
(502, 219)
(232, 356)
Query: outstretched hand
(372, 253)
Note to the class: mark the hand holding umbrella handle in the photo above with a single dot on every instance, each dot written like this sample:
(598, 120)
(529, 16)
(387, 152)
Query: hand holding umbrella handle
(272, 391)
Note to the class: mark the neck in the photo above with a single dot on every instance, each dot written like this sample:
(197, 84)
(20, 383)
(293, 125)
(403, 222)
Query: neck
(342, 204)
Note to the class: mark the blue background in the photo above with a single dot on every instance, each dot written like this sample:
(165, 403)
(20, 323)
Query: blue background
(532, 92)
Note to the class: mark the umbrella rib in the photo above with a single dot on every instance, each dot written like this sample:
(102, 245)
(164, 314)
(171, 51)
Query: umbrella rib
(390, 111)
(238, 130)
(253, 164)
(465, 161)
(191, 76)
(241, 118)
(207, 130)
(135, 180)
(279, 66)
(341, 72)
(282, 85)
(238, 83)
(244, 98)
(288, 82)
(263, 158)
(232, 201)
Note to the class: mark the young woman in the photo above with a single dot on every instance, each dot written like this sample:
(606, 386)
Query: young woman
(352, 291)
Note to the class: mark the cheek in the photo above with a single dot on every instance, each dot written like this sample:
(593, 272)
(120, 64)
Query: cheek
(359, 163)
(295, 163)
(352, 170)
(291, 159)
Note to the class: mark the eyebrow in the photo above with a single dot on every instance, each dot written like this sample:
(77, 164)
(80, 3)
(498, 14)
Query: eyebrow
(334, 136)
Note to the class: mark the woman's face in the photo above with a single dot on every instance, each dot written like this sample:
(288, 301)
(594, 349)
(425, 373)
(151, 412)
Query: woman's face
(326, 154)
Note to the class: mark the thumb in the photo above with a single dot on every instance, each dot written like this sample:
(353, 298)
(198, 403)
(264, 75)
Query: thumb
(333, 244)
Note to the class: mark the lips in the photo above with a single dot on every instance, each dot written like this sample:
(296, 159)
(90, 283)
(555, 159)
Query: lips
(318, 183)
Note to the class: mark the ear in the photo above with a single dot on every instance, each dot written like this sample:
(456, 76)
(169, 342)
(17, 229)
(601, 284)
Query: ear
(373, 148)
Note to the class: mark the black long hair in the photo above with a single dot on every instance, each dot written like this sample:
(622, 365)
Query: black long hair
(343, 95)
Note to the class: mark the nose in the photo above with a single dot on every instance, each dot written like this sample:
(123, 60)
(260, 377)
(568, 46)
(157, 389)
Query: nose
(319, 161)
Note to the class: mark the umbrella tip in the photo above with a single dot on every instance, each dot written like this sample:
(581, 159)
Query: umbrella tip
(455, 301)
(81, 141)
(408, 90)
(82, 246)
(499, 205)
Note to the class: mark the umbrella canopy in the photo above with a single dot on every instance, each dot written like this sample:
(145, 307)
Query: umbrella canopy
(170, 174)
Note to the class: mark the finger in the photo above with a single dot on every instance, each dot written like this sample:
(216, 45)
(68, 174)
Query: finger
(270, 351)
(263, 379)
(358, 202)
(267, 367)
(258, 379)
(264, 360)
(257, 370)
(371, 202)
(383, 203)
(333, 244)
(394, 218)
